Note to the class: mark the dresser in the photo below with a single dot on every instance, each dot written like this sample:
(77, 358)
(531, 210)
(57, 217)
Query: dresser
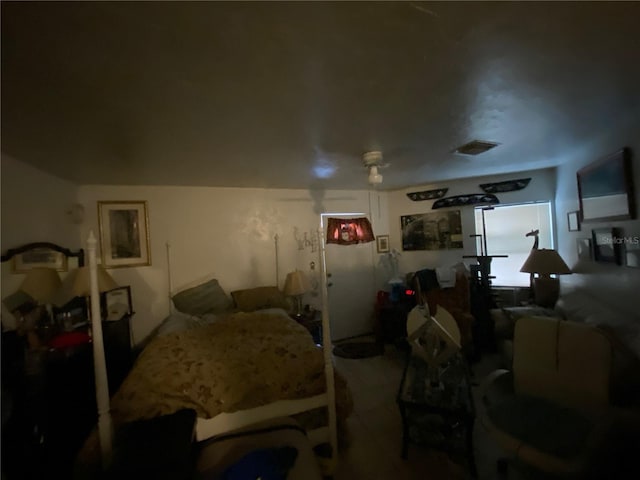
(52, 401)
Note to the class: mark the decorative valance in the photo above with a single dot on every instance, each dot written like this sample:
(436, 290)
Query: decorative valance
(349, 231)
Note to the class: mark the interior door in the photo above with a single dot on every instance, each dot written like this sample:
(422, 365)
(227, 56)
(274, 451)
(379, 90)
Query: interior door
(351, 289)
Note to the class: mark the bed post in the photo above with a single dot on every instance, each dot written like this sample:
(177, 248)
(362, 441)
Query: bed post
(275, 240)
(328, 360)
(169, 281)
(99, 363)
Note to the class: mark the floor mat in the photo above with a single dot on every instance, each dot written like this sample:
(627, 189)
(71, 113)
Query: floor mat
(358, 349)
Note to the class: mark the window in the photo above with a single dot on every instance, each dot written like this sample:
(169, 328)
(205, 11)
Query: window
(506, 227)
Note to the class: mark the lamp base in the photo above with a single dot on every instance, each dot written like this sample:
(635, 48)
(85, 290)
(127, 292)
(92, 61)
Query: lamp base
(546, 291)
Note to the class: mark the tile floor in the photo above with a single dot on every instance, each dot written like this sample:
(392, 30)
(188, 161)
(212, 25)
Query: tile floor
(374, 438)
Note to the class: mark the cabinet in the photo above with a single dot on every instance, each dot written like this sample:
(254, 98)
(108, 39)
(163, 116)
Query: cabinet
(312, 321)
(391, 319)
(52, 401)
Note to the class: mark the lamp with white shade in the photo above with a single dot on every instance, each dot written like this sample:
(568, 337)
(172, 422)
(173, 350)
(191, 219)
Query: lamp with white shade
(42, 284)
(545, 262)
(78, 284)
(296, 285)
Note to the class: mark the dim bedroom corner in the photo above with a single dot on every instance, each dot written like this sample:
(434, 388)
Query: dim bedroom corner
(245, 366)
(216, 364)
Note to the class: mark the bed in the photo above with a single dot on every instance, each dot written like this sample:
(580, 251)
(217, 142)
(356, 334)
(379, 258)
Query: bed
(205, 366)
(226, 363)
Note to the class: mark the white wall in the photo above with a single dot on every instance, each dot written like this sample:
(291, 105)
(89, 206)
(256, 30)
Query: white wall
(611, 284)
(227, 232)
(34, 206)
(541, 188)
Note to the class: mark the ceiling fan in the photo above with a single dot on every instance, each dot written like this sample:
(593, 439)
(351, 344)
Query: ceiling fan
(373, 161)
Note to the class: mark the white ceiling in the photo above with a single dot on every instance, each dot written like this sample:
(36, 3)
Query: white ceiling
(277, 95)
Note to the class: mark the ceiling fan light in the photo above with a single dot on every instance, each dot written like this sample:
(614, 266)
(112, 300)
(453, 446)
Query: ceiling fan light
(374, 177)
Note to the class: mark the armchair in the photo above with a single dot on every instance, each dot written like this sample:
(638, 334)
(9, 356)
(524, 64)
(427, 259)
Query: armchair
(548, 410)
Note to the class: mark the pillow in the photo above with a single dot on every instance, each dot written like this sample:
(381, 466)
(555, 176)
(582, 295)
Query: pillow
(258, 298)
(204, 297)
(177, 322)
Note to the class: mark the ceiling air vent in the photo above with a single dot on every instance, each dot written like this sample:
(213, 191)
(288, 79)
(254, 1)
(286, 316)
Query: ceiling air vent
(475, 147)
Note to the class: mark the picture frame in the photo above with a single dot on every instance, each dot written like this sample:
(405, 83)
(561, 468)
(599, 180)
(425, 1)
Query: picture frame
(431, 231)
(607, 246)
(605, 189)
(124, 234)
(382, 243)
(584, 248)
(632, 252)
(38, 258)
(116, 303)
(573, 221)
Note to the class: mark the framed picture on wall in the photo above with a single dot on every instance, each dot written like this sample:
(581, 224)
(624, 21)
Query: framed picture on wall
(116, 303)
(585, 252)
(605, 189)
(573, 221)
(632, 252)
(431, 231)
(38, 258)
(607, 247)
(382, 243)
(124, 234)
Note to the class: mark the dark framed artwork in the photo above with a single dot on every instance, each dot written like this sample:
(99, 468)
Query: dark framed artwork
(431, 231)
(573, 221)
(605, 189)
(585, 250)
(124, 234)
(607, 245)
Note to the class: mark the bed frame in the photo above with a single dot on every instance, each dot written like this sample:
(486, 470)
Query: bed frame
(225, 422)
(48, 245)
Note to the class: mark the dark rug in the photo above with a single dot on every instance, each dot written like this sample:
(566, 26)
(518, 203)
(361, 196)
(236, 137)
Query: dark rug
(358, 349)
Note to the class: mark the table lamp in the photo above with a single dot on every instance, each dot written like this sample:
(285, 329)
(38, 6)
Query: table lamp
(296, 285)
(41, 284)
(544, 263)
(78, 284)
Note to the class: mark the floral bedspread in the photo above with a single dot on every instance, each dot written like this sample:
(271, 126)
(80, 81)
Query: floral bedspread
(241, 361)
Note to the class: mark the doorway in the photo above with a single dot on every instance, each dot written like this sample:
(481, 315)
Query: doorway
(351, 284)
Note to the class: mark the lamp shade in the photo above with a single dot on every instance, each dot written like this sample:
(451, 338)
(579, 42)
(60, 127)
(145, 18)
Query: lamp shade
(41, 284)
(78, 284)
(296, 283)
(545, 262)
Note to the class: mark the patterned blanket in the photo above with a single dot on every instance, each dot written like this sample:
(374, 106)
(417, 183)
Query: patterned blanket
(241, 361)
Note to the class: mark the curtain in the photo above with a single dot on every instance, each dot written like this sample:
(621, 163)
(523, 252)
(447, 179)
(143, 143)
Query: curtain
(349, 231)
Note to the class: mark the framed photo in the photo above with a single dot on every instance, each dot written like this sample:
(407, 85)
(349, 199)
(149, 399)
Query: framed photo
(117, 303)
(39, 257)
(431, 231)
(585, 251)
(573, 221)
(605, 189)
(124, 234)
(632, 251)
(382, 243)
(607, 246)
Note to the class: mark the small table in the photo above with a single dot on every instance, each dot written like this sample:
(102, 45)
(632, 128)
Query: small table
(312, 321)
(438, 415)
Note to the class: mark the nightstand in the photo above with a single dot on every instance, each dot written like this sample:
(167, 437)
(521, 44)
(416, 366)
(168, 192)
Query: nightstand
(312, 321)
